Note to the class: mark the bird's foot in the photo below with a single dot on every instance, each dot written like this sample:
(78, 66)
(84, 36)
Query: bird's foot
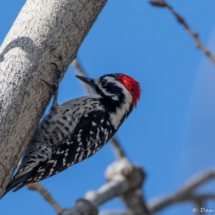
(54, 85)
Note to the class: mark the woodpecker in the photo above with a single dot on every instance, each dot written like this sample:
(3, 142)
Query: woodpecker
(77, 129)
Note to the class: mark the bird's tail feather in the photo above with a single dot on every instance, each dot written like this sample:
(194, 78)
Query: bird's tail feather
(16, 182)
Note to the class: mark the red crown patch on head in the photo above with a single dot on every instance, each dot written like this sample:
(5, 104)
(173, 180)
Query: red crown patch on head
(131, 85)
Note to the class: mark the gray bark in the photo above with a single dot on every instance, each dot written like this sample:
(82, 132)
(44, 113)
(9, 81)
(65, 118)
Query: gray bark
(44, 31)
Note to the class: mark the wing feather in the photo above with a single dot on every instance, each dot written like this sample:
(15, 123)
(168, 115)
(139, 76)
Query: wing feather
(90, 135)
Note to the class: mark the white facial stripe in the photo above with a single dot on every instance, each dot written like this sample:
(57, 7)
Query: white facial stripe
(109, 79)
(115, 98)
(117, 83)
(116, 118)
(105, 91)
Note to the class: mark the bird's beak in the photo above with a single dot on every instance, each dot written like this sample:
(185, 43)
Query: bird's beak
(88, 81)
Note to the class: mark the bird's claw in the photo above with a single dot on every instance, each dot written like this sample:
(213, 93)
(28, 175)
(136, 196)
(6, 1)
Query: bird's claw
(54, 86)
(57, 70)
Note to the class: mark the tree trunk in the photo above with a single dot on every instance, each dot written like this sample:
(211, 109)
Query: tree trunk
(45, 31)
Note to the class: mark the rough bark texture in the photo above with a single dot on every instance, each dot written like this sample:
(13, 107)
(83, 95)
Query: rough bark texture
(45, 31)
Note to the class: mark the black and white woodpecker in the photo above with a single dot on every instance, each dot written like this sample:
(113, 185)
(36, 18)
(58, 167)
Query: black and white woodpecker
(77, 129)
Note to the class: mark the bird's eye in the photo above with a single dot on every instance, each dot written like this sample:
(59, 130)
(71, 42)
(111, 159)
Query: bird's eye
(104, 82)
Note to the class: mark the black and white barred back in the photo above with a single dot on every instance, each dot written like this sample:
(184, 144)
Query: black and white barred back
(74, 131)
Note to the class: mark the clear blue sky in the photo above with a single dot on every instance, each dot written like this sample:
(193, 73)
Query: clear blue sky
(171, 133)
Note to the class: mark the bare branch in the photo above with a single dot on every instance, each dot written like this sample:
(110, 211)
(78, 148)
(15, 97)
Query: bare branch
(202, 197)
(123, 178)
(135, 202)
(108, 191)
(158, 3)
(125, 181)
(185, 193)
(181, 20)
(81, 72)
(113, 213)
(118, 148)
(133, 198)
(46, 195)
(200, 203)
(82, 207)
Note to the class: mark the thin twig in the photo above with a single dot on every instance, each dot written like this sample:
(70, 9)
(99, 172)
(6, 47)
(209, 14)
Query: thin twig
(106, 212)
(118, 148)
(46, 195)
(181, 20)
(81, 72)
(200, 205)
(185, 193)
(119, 151)
(202, 197)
